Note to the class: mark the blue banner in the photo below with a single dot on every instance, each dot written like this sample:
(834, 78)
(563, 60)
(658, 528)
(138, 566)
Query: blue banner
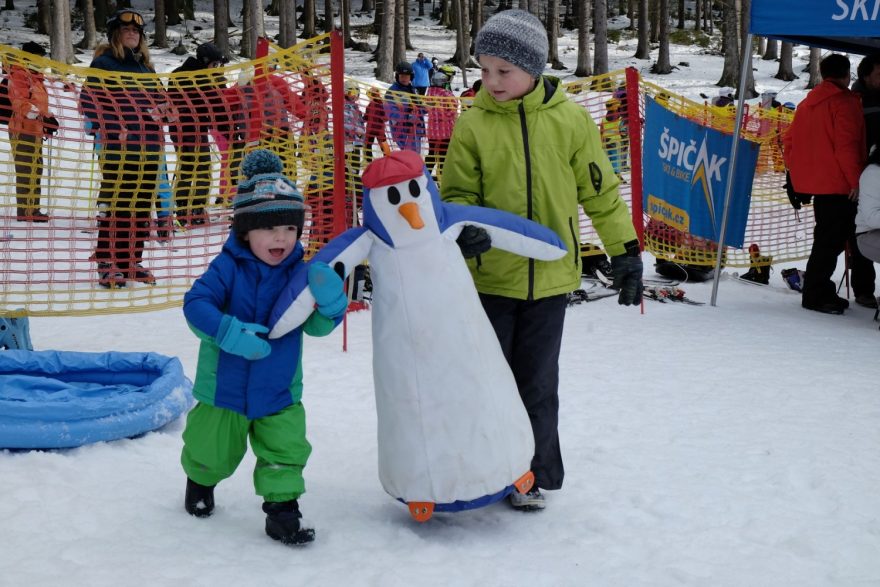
(685, 176)
(840, 18)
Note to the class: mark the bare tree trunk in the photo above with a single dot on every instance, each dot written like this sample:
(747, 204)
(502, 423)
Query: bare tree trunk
(45, 11)
(399, 32)
(385, 48)
(631, 13)
(729, 40)
(771, 52)
(698, 15)
(745, 15)
(345, 20)
(600, 41)
(287, 23)
(328, 16)
(172, 12)
(553, 34)
(160, 36)
(58, 40)
(643, 49)
(708, 22)
(584, 67)
(680, 15)
(785, 71)
(476, 17)
(90, 35)
(461, 39)
(406, 40)
(654, 15)
(308, 19)
(815, 77)
(663, 66)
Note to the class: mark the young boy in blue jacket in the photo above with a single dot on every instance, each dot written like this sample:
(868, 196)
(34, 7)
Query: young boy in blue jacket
(247, 386)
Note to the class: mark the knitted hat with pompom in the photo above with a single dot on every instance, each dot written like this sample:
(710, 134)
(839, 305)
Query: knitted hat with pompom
(266, 197)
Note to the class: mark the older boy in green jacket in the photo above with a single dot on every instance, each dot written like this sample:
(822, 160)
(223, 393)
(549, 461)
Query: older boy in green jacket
(525, 148)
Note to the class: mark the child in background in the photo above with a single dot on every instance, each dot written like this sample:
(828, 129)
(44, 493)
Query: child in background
(375, 120)
(442, 110)
(525, 148)
(615, 136)
(248, 387)
(355, 130)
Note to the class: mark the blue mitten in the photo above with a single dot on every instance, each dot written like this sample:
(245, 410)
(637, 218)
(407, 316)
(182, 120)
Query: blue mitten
(327, 288)
(240, 338)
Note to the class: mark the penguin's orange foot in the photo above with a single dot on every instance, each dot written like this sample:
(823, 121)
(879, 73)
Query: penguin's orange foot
(421, 511)
(525, 483)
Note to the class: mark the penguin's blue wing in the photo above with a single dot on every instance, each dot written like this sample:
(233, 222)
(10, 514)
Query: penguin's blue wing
(296, 302)
(508, 231)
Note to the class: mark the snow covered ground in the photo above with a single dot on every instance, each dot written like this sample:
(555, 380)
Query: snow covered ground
(730, 445)
(726, 446)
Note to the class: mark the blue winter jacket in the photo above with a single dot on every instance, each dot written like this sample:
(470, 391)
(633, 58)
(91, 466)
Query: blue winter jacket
(239, 284)
(421, 68)
(119, 108)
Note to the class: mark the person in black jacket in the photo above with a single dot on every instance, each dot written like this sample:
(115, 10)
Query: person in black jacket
(199, 103)
(862, 273)
(125, 114)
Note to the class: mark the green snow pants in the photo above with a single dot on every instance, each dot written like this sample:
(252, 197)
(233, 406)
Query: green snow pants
(215, 441)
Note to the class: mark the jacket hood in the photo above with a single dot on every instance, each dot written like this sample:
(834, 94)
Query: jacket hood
(824, 91)
(547, 93)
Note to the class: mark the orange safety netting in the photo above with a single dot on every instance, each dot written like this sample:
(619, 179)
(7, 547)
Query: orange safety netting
(141, 171)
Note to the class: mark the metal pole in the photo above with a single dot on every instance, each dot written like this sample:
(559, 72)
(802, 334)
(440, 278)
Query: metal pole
(740, 107)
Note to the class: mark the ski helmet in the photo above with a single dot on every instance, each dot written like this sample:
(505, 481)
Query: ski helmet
(209, 53)
(352, 89)
(124, 16)
(403, 68)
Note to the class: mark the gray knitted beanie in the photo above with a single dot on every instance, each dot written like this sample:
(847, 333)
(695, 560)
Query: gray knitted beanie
(516, 36)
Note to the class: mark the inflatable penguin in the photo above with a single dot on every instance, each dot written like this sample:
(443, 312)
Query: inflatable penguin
(452, 430)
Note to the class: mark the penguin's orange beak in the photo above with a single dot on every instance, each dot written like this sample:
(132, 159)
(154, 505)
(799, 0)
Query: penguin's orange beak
(410, 211)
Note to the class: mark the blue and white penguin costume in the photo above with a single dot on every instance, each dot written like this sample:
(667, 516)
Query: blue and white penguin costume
(452, 430)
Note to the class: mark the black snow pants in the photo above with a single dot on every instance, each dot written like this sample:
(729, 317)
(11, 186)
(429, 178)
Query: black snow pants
(530, 333)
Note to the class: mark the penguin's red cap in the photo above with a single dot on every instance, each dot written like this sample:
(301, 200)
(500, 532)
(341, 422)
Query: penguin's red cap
(395, 168)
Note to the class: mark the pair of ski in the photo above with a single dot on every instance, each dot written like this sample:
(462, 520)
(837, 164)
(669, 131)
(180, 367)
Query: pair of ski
(659, 290)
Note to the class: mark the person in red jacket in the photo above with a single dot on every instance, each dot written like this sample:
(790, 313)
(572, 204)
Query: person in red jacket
(824, 151)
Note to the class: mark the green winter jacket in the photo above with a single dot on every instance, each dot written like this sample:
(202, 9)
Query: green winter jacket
(539, 157)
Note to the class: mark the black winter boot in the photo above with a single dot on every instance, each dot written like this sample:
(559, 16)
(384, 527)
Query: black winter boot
(283, 523)
(199, 500)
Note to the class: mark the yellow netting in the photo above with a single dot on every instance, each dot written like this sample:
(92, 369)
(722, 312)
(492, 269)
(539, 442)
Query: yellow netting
(132, 152)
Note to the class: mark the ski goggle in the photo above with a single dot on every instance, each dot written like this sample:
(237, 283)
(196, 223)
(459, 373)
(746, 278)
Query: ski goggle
(130, 17)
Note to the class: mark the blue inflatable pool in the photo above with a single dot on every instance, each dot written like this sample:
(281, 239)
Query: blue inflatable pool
(61, 399)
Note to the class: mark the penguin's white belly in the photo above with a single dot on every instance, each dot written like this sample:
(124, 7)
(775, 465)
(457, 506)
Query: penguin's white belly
(451, 423)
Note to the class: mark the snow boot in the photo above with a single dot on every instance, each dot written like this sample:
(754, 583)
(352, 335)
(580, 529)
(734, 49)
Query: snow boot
(110, 276)
(527, 502)
(759, 272)
(199, 500)
(284, 523)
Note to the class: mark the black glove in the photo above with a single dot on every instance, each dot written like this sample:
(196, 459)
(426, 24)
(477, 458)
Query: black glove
(50, 125)
(473, 241)
(797, 199)
(627, 271)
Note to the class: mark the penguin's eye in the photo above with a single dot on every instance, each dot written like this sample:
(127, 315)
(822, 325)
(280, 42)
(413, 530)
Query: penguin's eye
(393, 196)
(414, 189)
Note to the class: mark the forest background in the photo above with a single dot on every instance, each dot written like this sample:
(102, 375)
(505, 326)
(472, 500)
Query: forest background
(717, 26)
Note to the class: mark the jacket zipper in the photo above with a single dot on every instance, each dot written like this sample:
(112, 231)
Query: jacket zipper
(574, 239)
(528, 161)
